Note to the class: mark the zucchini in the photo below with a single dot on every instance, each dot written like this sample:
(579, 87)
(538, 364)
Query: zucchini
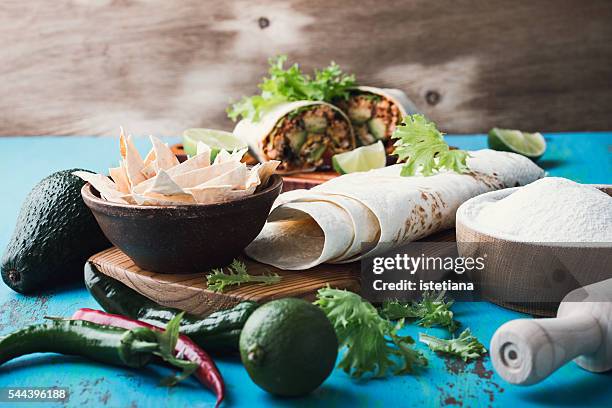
(218, 331)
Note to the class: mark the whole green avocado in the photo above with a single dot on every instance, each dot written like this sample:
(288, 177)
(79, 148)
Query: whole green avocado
(54, 236)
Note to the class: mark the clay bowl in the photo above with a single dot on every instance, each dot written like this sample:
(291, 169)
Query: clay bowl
(530, 277)
(188, 238)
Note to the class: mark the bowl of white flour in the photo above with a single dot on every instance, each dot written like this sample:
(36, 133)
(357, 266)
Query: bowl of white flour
(540, 241)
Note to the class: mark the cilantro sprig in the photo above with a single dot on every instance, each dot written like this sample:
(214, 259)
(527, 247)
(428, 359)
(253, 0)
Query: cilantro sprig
(465, 347)
(421, 145)
(373, 345)
(432, 310)
(291, 84)
(236, 274)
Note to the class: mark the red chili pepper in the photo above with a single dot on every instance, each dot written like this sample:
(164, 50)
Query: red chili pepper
(207, 372)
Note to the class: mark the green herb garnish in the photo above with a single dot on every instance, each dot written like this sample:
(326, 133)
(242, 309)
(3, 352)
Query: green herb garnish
(290, 84)
(465, 346)
(372, 343)
(237, 274)
(421, 145)
(167, 342)
(432, 310)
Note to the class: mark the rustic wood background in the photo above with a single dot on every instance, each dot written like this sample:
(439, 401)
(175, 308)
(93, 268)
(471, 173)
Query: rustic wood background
(157, 66)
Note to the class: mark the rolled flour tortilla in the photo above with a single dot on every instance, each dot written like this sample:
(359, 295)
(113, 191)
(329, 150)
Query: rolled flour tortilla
(310, 227)
(303, 135)
(375, 112)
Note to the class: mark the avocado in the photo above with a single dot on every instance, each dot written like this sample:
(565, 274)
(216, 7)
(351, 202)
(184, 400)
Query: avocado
(296, 139)
(314, 123)
(377, 128)
(54, 236)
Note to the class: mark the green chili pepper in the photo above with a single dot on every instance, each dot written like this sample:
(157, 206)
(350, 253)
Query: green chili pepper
(110, 345)
(219, 331)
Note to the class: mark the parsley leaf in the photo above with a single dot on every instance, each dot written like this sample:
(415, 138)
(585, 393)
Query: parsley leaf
(421, 145)
(372, 343)
(464, 347)
(432, 310)
(237, 274)
(290, 84)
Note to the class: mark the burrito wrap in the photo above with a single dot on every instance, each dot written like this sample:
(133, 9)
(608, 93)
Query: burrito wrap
(255, 133)
(406, 208)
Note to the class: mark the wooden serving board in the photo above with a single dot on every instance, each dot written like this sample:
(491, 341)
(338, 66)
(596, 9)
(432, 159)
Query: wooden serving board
(189, 292)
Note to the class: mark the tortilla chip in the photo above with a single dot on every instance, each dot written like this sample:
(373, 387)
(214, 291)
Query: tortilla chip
(210, 194)
(203, 148)
(150, 157)
(105, 186)
(149, 170)
(193, 163)
(236, 178)
(201, 176)
(133, 164)
(122, 144)
(164, 158)
(119, 176)
(163, 184)
(159, 199)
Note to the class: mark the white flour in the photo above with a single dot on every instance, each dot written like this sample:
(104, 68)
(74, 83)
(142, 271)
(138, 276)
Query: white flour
(552, 209)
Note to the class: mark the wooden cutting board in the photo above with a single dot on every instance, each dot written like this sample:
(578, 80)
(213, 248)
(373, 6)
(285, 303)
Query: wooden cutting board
(189, 292)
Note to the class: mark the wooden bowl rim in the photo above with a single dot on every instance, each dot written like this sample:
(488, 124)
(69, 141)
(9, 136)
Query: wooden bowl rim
(464, 220)
(275, 182)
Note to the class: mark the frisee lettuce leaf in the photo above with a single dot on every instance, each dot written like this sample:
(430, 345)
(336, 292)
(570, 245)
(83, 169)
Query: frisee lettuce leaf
(421, 145)
(373, 345)
(465, 347)
(432, 310)
(291, 84)
(237, 274)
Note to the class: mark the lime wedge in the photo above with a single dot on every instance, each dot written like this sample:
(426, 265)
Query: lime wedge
(216, 139)
(531, 145)
(361, 159)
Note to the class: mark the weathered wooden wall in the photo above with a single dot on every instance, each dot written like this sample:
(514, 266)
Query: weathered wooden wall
(158, 66)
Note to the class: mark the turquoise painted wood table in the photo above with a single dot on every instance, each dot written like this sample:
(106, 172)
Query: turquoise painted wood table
(584, 157)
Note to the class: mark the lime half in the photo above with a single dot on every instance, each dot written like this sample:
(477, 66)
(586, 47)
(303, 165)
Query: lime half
(531, 145)
(361, 159)
(216, 139)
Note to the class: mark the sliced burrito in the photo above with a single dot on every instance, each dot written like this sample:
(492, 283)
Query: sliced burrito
(303, 135)
(332, 222)
(375, 112)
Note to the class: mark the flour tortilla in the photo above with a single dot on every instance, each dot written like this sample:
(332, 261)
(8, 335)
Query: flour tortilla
(256, 133)
(307, 234)
(406, 208)
(397, 96)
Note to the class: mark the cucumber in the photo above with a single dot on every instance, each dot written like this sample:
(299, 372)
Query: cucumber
(220, 331)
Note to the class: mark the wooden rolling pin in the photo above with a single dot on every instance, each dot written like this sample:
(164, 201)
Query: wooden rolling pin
(526, 351)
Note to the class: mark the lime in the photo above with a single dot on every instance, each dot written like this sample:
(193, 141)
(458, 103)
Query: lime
(288, 347)
(216, 139)
(531, 145)
(361, 159)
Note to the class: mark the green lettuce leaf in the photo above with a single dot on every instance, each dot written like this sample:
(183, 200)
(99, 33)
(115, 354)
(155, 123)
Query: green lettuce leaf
(421, 145)
(291, 84)
(372, 344)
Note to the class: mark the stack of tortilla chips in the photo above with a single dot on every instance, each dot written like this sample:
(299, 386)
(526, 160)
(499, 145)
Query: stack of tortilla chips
(160, 179)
